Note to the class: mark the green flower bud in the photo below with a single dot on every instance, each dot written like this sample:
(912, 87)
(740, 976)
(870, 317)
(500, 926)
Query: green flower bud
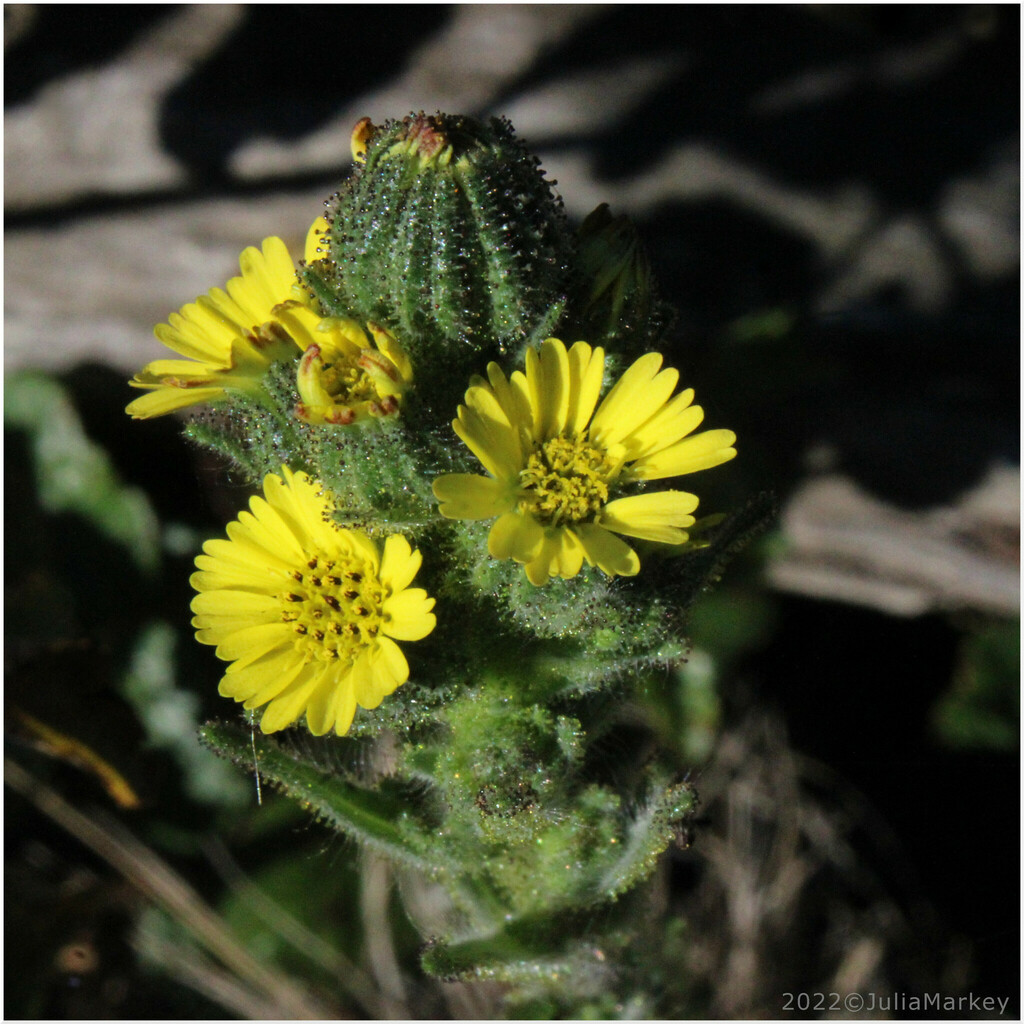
(447, 234)
(616, 297)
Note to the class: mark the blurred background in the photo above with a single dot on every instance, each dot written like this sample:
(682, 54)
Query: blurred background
(830, 196)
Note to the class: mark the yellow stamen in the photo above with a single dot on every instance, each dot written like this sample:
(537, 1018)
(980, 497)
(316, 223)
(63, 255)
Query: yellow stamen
(565, 481)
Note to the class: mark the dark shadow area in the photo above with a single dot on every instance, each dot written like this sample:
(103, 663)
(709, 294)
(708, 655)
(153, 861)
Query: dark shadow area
(273, 76)
(900, 98)
(941, 823)
(62, 39)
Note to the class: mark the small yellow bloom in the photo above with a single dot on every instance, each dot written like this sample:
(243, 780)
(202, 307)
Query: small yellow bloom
(307, 612)
(556, 468)
(344, 378)
(230, 338)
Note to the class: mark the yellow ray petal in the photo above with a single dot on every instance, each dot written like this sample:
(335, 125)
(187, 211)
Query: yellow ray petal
(513, 399)
(266, 676)
(560, 554)
(168, 399)
(344, 704)
(291, 703)
(612, 556)
(263, 537)
(636, 396)
(670, 424)
(261, 639)
(547, 376)
(493, 442)
(301, 510)
(586, 374)
(220, 574)
(566, 553)
(701, 451)
(657, 516)
(408, 616)
(467, 496)
(209, 346)
(399, 563)
(319, 708)
(360, 677)
(234, 602)
(388, 671)
(184, 373)
(515, 536)
(316, 245)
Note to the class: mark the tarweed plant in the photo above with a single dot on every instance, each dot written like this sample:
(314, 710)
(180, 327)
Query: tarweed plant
(471, 546)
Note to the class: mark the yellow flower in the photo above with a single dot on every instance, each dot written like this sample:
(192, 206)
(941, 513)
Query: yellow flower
(556, 467)
(342, 379)
(231, 338)
(307, 612)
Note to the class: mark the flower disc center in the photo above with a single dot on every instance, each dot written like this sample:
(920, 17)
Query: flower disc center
(565, 481)
(347, 382)
(334, 608)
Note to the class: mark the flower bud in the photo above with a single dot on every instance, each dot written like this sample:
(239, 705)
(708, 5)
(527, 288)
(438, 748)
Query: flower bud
(447, 234)
(616, 296)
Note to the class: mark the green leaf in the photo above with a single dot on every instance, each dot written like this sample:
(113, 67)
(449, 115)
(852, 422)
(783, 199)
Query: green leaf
(382, 822)
(647, 836)
(525, 949)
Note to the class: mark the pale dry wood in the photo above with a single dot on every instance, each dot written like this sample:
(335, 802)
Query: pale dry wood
(843, 544)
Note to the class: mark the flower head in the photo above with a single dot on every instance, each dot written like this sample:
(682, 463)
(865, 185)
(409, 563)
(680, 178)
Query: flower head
(230, 338)
(307, 612)
(556, 467)
(344, 377)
